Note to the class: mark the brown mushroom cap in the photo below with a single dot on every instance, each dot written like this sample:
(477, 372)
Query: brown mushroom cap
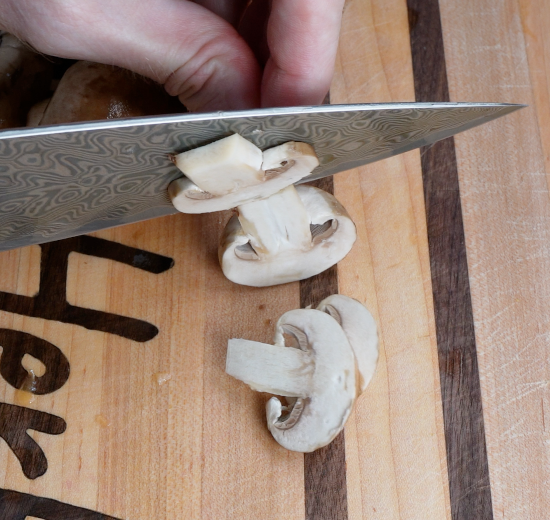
(92, 91)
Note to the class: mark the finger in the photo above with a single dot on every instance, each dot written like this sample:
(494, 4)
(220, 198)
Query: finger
(303, 40)
(194, 53)
(229, 10)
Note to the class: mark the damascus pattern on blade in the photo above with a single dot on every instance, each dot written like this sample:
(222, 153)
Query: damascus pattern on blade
(87, 177)
(62, 185)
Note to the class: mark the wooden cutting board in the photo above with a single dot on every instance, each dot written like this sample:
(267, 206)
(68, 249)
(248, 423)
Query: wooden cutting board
(134, 416)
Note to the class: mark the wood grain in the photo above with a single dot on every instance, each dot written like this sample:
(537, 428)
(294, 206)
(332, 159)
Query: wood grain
(325, 469)
(248, 463)
(497, 51)
(194, 446)
(156, 429)
(154, 426)
(50, 301)
(20, 506)
(395, 447)
(470, 491)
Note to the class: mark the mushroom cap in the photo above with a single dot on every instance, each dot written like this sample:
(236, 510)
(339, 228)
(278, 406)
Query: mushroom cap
(291, 265)
(360, 329)
(281, 166)
(92, 91)
(332, 390)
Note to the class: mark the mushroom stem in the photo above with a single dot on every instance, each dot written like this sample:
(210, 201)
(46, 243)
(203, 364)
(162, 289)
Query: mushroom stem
(278, 223)
(274, 369)
(223, 166)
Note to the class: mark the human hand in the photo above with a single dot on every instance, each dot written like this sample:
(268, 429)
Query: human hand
(192, 48)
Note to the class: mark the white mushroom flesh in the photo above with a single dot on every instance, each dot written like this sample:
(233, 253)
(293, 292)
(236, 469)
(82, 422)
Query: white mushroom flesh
(226, 183)
(270, 253)
(360, 329)
(276, 224)
(270, 368)
(224, 166)
(321, 411)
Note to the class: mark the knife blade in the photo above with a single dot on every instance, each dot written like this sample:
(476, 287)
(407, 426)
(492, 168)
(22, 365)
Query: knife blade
(67, 180)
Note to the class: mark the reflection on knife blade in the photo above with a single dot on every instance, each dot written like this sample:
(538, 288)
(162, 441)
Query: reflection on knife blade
(66, 180)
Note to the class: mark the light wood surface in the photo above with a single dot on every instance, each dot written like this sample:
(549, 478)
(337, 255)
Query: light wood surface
(498, 51)
(195, 445)
(395, 442)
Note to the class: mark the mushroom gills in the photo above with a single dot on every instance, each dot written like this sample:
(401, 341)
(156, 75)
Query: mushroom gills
(320, 232)
(198, 194)
(285, 417)
(188, 189)
(246, 252)
(284, 167)
(294, 234)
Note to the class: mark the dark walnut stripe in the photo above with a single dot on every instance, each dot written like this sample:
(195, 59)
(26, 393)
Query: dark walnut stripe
(325, 469)
(470, 491)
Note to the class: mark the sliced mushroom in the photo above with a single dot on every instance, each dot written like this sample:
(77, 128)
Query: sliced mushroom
(294, 234)
(223, 166)
(320, 374)
(233, 171)
(360, 329)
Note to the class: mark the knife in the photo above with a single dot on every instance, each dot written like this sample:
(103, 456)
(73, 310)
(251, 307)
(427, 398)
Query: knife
(66, 180)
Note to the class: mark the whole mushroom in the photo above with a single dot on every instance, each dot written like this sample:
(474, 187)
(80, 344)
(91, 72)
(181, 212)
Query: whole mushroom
(92, 91)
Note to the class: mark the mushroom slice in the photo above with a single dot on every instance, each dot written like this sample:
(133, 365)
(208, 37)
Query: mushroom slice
(294, 234)
(320, 375)
(223, 166)
(233, 172)
(360, 329)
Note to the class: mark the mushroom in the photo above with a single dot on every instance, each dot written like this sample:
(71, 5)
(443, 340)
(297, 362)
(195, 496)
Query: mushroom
(360, 329)
(294, 234)
(25, 78)
(233, 171)
(36, 112)
(91, 91)
(280, 233)
(317, 376)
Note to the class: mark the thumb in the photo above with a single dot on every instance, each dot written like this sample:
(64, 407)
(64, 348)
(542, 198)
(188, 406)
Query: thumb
(195, 54)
